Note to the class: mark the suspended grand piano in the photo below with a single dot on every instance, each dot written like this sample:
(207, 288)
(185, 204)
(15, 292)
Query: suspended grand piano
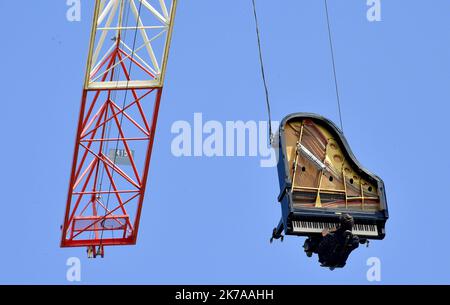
(320, 179)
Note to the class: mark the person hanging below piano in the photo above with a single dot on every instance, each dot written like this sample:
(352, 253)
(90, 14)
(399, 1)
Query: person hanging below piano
(334, 246)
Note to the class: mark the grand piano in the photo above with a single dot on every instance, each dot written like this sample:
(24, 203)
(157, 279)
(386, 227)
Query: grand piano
(320, 179)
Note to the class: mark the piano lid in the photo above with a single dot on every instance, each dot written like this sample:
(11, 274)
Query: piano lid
(319, 170)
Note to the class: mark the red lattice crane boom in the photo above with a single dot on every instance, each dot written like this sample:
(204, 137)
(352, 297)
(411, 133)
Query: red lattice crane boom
(124, 80)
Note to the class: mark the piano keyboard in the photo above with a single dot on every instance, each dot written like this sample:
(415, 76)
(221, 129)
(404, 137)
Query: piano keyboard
(318, 227)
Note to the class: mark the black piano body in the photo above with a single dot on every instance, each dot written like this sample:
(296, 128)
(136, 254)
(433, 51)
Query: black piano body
(320, 179)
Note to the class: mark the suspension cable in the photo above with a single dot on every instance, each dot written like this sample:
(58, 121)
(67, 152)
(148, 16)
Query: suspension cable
(263, 73)
(116, 76)
(123, 106)
(330, 38)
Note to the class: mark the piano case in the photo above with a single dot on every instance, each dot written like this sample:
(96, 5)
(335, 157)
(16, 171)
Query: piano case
(320, 179)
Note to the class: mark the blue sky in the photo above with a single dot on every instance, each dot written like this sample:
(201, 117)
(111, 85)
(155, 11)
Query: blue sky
(393, 77)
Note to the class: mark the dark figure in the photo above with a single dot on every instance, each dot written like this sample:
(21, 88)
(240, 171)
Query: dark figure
(334, 247)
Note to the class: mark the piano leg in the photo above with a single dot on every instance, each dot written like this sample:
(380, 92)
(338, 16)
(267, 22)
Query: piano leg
(277, 232)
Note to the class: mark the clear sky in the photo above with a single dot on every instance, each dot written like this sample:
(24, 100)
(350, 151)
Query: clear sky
(208, 220)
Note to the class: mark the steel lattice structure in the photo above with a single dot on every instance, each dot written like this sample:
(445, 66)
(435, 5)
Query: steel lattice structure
(124, 80)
